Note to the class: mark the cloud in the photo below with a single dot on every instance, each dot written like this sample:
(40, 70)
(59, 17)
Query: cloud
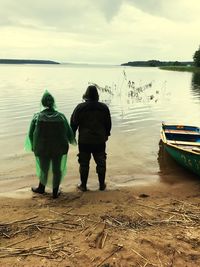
(109, 8)
(99, 30)
(182, 10)
(78, 16)
(56, 15)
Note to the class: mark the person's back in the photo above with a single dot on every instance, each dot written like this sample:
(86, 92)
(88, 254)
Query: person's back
(49, 137)
(93, 121)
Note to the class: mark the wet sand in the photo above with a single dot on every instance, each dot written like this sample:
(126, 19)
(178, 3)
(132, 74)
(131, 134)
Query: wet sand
(139, 220)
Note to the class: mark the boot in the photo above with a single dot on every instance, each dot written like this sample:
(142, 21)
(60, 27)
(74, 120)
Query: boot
(83, 176)
(102, 187)
(102, 184)
(82, 187)
(40, 189)
(56, 192)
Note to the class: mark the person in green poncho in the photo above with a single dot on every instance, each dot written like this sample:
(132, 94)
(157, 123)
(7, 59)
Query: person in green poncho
(49, 137)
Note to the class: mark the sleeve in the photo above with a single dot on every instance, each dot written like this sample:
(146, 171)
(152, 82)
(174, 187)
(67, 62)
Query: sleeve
(31, 130)
(29, 136)
(108, 122)
(70, 135)
(74, 121)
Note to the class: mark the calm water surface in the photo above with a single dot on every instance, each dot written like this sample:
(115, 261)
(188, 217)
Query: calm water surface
(139, 100)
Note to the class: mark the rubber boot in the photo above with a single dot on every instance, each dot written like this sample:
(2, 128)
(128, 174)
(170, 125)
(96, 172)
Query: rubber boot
(83, 186)
(40, 189)
(102, 184)
(56, 192)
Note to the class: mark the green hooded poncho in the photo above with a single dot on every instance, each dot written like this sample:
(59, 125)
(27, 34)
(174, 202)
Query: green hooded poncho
(49, 136)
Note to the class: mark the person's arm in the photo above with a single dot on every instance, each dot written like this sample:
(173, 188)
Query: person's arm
(74, 121)
(68, 131)
(108, 122)
(70, 134)
(31, 129)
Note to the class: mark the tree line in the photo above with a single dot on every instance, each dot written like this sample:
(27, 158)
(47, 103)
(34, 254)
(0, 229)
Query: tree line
(196, 58)
(26, 61)
(158, 63)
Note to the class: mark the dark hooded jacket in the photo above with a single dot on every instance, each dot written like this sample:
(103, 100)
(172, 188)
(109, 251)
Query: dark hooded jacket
(92, 119)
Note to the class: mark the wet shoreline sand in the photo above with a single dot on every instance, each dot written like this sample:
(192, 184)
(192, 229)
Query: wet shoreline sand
(156, 224)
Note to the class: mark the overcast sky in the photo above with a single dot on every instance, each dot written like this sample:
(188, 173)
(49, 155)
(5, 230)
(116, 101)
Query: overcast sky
(99, 31)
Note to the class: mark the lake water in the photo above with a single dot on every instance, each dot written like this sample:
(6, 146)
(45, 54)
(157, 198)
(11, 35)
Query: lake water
(139, 100)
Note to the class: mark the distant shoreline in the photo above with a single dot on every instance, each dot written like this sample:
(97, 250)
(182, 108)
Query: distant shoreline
(27, 61)
(186, 66)
(181, 68)
(157, 63)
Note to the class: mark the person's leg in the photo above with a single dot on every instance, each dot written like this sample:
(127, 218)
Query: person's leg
(100, 159)
(44, 167)
(84, 162)
(56, 164)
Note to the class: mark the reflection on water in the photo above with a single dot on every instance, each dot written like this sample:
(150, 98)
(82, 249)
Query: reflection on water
(139, 100)
(196, 83)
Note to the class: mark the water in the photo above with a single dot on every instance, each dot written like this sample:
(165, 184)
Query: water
(137, 111)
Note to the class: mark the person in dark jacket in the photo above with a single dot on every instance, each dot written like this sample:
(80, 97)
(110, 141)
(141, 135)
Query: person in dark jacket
(49, 135)
(93, 121)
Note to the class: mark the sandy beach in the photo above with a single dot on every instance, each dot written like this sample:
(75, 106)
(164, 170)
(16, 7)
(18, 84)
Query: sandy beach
(144, 225)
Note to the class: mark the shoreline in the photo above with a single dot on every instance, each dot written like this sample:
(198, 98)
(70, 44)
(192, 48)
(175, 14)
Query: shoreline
(181, 68)
(142, 219)
(21, 185)
(143, 225)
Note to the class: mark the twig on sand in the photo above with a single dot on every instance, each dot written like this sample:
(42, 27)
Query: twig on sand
(101, 237)
(56, 228)
(173, 259)
(73, 214)
(29, 225)
(6, 235)
(21, 221)
(13, 244)
(104, 239)
(186, 203)
(42, 251)
(190, 216)
(147, 261)
(155, 208)
(158, 255)
(118, 248)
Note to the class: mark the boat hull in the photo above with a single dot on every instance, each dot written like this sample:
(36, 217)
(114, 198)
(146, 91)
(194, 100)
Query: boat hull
(187, 159)
(182, 143)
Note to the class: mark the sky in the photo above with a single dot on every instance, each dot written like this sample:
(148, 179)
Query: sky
(99, 31)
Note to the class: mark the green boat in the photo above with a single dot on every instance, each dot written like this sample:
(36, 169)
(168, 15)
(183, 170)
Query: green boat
(182, 142)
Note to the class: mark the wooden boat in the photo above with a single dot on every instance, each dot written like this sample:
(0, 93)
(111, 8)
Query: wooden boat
(183, 144)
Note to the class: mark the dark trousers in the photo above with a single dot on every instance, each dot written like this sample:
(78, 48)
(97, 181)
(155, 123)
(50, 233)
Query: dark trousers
(45, 164)
(99, 155)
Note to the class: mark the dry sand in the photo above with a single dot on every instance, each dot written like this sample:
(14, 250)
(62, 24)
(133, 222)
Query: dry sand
(154, 225)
